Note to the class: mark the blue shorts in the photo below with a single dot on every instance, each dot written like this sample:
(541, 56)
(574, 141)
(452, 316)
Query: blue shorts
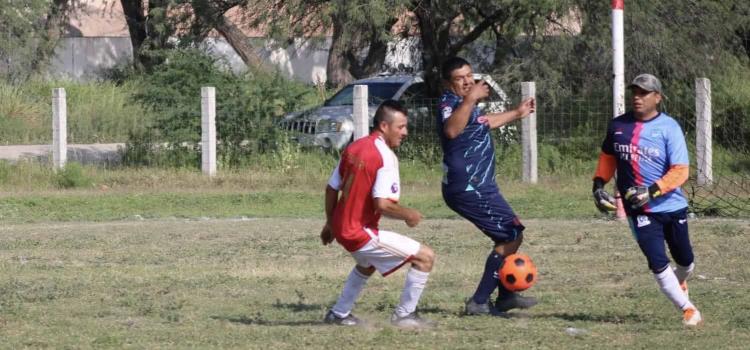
(651, 230)
(488, 211)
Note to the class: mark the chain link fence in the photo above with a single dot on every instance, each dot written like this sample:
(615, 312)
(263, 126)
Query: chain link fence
(574, 127)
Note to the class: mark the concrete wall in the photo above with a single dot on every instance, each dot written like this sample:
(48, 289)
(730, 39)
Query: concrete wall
(85, 57)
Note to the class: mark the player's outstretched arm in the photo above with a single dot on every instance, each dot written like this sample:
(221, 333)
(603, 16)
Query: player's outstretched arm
(523, 109)
(638, 196)
(393, 210)
(332, 198)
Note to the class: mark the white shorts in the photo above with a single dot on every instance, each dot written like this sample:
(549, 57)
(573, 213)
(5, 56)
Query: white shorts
(387, 251)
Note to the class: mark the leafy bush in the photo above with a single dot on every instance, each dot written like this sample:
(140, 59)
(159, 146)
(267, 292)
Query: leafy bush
(247, 108)
(72, 176)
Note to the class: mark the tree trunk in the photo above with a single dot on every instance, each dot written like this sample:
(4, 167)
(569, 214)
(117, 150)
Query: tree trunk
(337, 68)
(239, 42)
(135, 16)
(432, 48)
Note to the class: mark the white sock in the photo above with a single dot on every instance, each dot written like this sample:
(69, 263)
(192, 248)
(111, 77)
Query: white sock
(669, 285)
(353, 286)
(415, 282)
(683, 272)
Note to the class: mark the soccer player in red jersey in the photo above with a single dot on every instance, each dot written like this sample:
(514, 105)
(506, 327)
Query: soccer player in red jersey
(364, 186)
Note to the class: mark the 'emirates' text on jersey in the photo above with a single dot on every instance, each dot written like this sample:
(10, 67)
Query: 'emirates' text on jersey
(368, 169)
(468, 159)
(645, 151)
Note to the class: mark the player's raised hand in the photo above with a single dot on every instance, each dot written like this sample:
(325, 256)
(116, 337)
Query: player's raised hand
(326, 235)
(526, 107)
(414, 218)
(637, 196)
(479, 91)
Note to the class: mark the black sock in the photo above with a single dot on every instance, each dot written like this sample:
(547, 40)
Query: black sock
(489, 278)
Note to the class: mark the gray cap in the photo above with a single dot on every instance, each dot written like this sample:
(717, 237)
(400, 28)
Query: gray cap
(646, 82)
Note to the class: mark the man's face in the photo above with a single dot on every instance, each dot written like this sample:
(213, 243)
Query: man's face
(461, 81)
(396, 131)
(644, 102)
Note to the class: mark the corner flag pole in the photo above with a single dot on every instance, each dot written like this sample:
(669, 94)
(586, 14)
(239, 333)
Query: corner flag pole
(618, 70)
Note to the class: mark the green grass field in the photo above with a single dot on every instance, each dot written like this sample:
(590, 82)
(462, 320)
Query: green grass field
(166, 258)
(266, 283)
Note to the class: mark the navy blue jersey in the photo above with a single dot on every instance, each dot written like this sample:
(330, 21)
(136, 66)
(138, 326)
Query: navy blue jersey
(468, 159)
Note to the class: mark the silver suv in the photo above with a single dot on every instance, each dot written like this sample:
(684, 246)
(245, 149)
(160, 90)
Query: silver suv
(331, 125)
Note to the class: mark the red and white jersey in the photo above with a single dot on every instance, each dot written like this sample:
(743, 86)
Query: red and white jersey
(368, 169)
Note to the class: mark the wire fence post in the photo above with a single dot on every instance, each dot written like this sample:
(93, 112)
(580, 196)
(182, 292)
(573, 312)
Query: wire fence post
(703, 133)
(618, 72)
(361, 114)
(208, 130)
(59, 128)
(528, 136)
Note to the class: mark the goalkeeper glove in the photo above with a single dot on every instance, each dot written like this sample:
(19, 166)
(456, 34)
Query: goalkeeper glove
(603, 200)
(638, 196)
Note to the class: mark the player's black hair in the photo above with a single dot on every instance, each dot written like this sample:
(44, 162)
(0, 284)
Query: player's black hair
(385, 112)
(452, 64)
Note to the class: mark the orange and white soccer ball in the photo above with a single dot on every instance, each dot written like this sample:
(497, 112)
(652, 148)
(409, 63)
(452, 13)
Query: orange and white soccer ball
(518, 272)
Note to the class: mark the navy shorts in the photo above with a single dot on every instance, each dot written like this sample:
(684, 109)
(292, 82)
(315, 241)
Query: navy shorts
(651, 230)
(488, 211)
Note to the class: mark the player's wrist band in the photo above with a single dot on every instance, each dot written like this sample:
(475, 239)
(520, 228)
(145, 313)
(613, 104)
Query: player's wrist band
(654, 191)
(598, 184)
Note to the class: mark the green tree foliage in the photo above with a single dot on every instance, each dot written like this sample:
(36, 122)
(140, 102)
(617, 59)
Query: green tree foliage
(248, 107)
(677, 41)
(448, 28)
(360, 30)
(29, 30)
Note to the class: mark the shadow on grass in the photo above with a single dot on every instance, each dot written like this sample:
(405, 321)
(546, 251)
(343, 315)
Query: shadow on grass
(434, 310)
(298, 306)
(587, 317)
(257, 320)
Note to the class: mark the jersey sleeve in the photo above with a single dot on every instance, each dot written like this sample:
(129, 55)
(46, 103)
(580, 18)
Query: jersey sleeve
(606, 167)
(677, 152)
(335, 180)
(387, 181)
(446, 107)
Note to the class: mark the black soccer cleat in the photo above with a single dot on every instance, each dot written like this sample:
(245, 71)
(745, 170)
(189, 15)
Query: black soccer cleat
(514, 301)
(349, 320)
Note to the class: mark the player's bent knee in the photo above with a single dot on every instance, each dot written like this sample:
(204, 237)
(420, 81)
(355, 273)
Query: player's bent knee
(425, 258)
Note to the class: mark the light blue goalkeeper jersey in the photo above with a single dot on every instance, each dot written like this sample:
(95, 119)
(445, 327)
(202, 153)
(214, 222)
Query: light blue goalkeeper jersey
(645, 150)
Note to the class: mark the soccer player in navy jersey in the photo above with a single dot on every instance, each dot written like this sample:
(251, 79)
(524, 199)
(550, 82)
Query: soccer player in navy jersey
(469, 186)
(646, 148)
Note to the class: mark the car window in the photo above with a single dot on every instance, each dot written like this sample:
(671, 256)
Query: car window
(414, 92)
(377, 93)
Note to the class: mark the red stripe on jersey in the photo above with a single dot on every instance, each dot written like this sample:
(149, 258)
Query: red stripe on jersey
(635, 157)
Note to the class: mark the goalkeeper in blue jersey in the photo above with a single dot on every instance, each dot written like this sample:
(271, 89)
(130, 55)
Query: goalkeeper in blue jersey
(469, 186)
(646, 148)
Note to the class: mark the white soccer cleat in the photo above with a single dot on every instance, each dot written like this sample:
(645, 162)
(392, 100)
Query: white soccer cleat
(411, 321)
(692, 317)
